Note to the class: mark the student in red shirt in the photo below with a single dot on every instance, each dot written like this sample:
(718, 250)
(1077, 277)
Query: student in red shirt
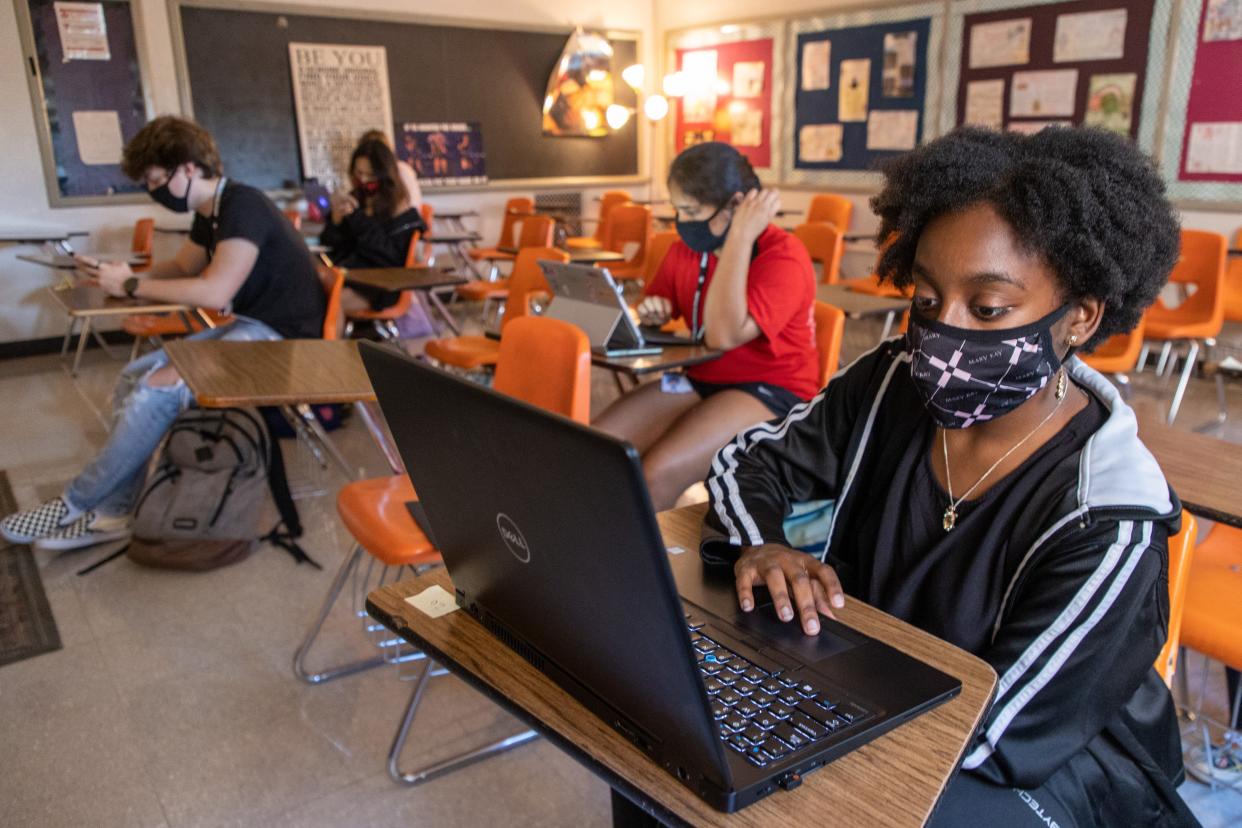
(743, 286)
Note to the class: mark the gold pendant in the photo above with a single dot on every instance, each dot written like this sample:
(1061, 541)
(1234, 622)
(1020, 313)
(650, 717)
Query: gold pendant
(950, 518)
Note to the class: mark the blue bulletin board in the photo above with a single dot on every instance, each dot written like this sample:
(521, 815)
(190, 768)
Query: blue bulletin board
(876, 99)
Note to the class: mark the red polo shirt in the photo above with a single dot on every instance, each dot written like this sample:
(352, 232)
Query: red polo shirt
(780, 297)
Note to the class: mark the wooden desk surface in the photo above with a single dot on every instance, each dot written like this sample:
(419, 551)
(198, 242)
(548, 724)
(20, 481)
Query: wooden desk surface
(403, 278)
(1204, 471)
(454, 215)
(673, 356)
(282, 372)
(60, 261)
(857, 305)
(87, 299)
(595, 256)
(893, 781)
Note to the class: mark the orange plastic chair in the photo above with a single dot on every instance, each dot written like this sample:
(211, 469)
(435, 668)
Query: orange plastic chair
(657, 249)
(471, 353)
(426, 255)
(1118, 355)
(295, 218)
(515, 210)
(536, 231)
(607, 201)
(829, 328)
(534, 348)
(1181, 556)
(1201, 316)
(414, 253)
(384, 321)
(333, 281)
(833, 209)
(143, 243)
(823, 241)
(629, 224)
(872, 285)
(1233, 284)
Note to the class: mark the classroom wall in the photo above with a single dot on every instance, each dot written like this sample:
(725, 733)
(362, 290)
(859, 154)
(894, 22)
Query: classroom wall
(25, 310)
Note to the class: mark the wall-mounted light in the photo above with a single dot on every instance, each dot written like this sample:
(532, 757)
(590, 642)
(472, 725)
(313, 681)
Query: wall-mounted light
(675, 84)
(634, 75)
(617, 115)
(655, 107)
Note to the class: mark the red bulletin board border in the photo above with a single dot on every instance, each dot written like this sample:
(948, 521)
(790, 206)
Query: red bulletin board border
(727, 54)
(1215, 93)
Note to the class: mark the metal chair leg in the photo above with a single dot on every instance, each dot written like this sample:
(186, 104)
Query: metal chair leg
(1185, 379)
(64, 346)
(1164, 357)
(1222, 410)
(83, 336)
(433, 771)
(133, 352)
(1142, 359)
(334, 592)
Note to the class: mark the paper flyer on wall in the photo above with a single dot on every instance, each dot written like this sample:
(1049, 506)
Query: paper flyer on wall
(1110, 102)
(1215, 148)
(746, 127)
(83, 31)
(985, 104)
(698, 105)
(339, 92)
(1095, 35)
(820, 143)
(98, 134)
(748, 79)
(898, 76)
(1001, 43)
(1043, 93)
(1032, 127)
(816, 65)
(1222, 20)
(853, 87)
(893, 129)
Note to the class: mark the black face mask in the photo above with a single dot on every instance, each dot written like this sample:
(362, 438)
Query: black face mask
(163, 196)
(698, 236)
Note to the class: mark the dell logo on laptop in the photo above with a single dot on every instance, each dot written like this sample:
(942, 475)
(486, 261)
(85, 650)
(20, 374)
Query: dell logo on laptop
(512, 536)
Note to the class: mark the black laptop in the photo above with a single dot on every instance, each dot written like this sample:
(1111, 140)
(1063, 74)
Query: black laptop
(547, 530)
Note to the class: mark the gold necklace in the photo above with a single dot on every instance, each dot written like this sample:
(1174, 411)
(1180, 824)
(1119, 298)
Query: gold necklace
(950, 513)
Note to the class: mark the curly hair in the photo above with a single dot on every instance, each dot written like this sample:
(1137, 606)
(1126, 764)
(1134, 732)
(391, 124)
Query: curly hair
(169, 142)
(1087, 201)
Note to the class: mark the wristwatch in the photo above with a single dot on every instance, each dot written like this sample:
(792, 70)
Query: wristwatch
(130, 285)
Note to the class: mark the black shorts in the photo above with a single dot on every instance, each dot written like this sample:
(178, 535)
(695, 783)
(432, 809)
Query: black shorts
(778, 400)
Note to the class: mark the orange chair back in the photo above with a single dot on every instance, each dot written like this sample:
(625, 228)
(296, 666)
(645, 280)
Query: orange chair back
(536, 231)
(629, 223)
(333, 281)
(657, 249)
(528, 278)
(1119, 353)
(413, 253)
(514, 210)
(1233, 284)
(429, 214)
(546, 362)
(1210, 622)
(610, 199)
(295, 218)
(1181, 554)
(824, 242)
(1202, 264)
(144, 237)
(831, 208)
(829, 327)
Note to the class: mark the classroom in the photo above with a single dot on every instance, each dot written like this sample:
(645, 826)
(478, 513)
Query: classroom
(736, 413)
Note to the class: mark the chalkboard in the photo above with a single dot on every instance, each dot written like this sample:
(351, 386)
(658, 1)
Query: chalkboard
(236, 78)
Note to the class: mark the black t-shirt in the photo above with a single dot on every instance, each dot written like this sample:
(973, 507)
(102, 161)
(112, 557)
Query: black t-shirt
(282, 290)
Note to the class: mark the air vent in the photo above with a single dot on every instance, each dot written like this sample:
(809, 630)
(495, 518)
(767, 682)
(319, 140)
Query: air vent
(513, 643)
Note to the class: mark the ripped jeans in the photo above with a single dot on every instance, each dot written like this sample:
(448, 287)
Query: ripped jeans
(141, 415)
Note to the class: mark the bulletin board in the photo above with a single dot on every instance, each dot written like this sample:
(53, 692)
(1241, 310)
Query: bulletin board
(1202, 142)
(1023, 66)
(743, 108)
(863, 87)
(85, 70)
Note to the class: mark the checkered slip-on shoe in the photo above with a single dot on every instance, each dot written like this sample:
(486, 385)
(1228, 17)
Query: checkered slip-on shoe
(90, 529)
(29, 526)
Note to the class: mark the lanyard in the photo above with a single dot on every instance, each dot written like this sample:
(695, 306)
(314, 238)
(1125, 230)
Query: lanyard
(696, 332)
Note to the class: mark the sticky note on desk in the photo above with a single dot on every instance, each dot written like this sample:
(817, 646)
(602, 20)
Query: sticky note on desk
(433, 601)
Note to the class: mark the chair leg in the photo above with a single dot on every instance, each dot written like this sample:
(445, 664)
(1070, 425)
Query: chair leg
(334, 592)
(1164, 357)
(1222, 410)
(433, 771)
(64, 346)
(1142, 359)
(133, 352)
(83, 336)
(1191, 355)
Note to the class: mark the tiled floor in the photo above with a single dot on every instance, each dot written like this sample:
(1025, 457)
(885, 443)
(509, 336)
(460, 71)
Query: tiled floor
(173, 702)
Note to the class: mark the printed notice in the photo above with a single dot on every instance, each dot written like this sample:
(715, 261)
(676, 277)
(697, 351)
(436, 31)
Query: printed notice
(1215, 148)
(1097, 35)
(816, 65)
(898, 76)
(853, 88)
(984, 103)
(1110, 102)
(748, 79)
(892, 129)
(1003, 43)
(1040, 94)
(83, 31)
(1032, 127)
(99, 136)
(339, 92)
(819, 143)
(433, 601)
(1222, 20)
(746, 127)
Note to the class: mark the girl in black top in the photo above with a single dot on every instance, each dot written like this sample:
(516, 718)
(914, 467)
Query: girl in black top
(372, 224)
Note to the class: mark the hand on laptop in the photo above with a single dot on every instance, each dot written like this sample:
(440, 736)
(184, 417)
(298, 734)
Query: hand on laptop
(655, 310)
(814, 586)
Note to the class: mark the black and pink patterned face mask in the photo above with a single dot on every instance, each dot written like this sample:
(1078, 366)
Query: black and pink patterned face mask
(968, 376)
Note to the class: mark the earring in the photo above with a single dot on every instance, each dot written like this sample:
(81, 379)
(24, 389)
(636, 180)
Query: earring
(1062, 385)
(1073, 340)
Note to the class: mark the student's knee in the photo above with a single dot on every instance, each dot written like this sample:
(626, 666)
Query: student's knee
(667, 477)
(162, 377)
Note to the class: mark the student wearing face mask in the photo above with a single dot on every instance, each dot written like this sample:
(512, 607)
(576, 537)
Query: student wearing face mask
(743, 286)
(989, 486)
(372, 224)
(242, 256)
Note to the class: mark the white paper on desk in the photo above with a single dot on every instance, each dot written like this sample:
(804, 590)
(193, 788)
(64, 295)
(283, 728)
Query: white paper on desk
(1002, 43)
(746, 127)
(985, 104)
(820, 142)
(854, 87)
(895, 129)
(433, 601)
(1094, 35)
(1215, 148)
(748, 79)
(816, 65)
(99, 136)
(1222, 20)
(1043, 93)
(83, 31)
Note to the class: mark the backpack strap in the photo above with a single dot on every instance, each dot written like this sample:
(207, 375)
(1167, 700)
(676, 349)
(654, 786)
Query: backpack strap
(291, 522)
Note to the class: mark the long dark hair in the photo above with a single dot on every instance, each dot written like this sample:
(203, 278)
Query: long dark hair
(712, 172)
(384, 166)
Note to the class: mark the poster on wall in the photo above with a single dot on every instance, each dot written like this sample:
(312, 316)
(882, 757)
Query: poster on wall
(1222, 20)
(898, 78)
(817, 65)
(1098, 35)
(83, 31)
(1002, 43)
(444, 154)
(727, 96)
(1110, 102)
(580, 88)
(339, 92)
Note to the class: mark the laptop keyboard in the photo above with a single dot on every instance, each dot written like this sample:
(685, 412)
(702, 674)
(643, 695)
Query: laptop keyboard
(762, 713)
